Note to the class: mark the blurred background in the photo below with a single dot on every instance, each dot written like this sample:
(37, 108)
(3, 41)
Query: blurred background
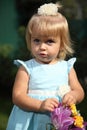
(14, 16)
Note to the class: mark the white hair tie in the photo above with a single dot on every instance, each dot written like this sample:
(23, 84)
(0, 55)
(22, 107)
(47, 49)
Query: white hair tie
(48, 9)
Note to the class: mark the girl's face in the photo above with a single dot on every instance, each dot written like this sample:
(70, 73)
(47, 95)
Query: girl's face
(45, 49)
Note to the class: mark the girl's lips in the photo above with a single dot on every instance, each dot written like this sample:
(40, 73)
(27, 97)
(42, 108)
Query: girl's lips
(43, 55)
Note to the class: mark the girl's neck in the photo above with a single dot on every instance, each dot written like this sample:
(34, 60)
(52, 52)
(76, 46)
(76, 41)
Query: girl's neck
(48, 62)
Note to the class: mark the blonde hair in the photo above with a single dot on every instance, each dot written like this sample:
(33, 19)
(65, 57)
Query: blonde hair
(51, 25)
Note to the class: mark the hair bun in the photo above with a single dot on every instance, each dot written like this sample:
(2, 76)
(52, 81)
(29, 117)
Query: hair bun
(48, 9)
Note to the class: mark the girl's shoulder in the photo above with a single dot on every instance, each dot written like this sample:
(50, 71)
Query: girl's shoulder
(26, 64)
(67, 64)
(70, 63)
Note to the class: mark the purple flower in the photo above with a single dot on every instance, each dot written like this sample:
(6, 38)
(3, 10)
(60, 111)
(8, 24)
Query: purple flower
(61, 118)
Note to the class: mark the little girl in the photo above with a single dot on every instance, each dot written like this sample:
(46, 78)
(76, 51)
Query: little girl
(47, 79)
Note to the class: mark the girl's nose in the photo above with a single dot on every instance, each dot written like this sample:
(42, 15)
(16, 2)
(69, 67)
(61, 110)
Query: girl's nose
(42, 46)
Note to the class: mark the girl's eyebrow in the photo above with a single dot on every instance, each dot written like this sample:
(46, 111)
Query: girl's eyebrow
(35, 37)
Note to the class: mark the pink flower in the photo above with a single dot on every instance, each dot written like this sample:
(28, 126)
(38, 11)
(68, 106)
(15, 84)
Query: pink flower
(62, 119)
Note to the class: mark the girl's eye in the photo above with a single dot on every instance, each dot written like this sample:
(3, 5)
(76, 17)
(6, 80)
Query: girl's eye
(50, 41)
(36, 41)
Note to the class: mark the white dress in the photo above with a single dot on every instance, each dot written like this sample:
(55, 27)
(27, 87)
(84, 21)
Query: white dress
(46, 81)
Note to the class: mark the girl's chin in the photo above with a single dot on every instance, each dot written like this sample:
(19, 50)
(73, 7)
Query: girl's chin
(44, 61)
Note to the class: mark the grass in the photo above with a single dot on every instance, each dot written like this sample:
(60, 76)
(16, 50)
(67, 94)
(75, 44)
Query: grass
(5, 108)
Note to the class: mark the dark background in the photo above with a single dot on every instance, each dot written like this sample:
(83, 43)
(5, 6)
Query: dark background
(14, 16)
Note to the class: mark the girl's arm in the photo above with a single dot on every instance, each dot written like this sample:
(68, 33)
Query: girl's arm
(21, 99)
(20, 90)
(76, 94)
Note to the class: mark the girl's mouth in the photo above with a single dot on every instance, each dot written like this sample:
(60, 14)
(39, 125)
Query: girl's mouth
(43, 55)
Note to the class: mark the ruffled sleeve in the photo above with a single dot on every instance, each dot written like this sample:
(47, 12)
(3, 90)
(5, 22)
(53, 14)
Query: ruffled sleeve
(70, 63)
(20, 62)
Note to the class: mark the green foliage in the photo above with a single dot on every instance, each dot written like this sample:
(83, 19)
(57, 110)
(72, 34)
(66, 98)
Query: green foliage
(5, 50)
(6, 69)
(5, 109)
(22, 52)
(22, 31)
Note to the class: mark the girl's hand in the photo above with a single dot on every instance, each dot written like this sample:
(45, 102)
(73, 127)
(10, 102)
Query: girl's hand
(69, 99)
(49, 104)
